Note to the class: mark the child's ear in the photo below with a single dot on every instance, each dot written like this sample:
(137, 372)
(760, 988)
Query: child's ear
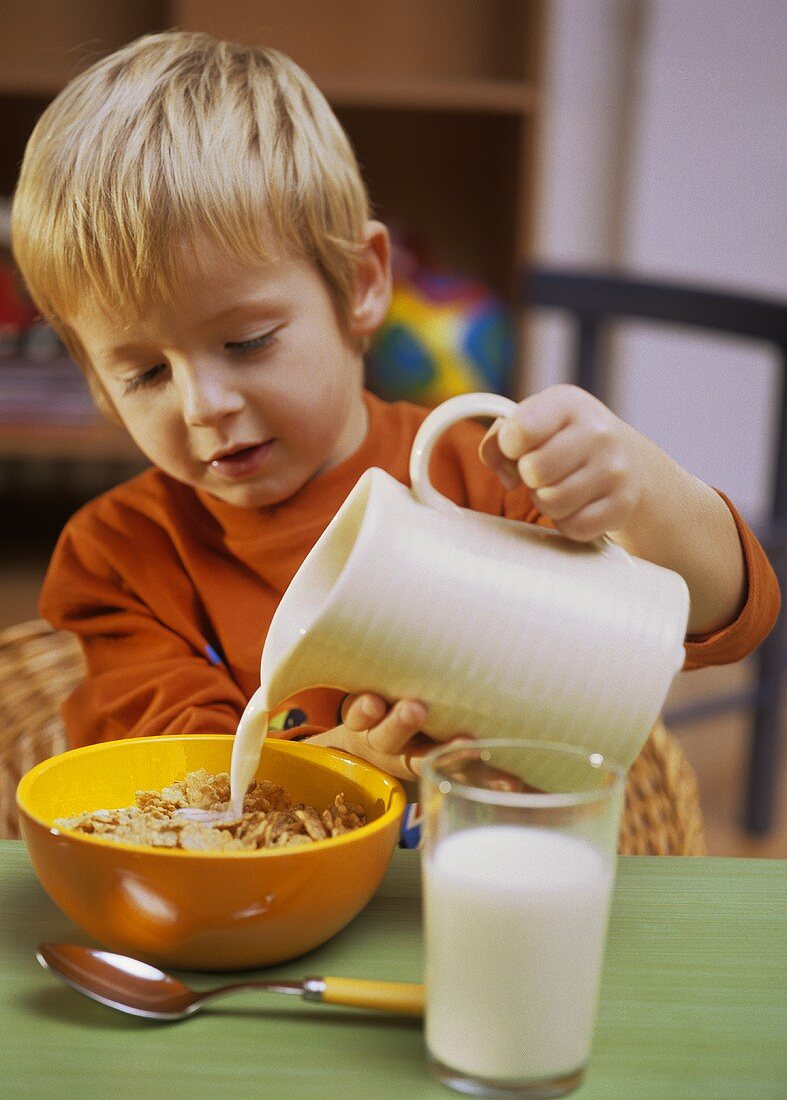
(372, 293)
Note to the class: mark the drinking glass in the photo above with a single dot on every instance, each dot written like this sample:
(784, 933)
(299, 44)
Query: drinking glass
(520, 844)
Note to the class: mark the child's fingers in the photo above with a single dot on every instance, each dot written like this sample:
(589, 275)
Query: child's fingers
(590, 522)
(403, 720)
(512, 439)
(555, 460)
(418, 748)
(490, 454)
(359, 712)
(386, 730)
(563, 499)
(536, 420)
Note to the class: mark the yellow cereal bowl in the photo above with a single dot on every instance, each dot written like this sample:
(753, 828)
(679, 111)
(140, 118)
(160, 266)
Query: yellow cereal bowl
(206, 910)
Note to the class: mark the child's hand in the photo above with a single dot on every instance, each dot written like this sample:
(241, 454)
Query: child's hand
(385, 735)
(584, 466)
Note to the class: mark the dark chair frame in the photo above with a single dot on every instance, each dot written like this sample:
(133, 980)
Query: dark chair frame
(597, 299)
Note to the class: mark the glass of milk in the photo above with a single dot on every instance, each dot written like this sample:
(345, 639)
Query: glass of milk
(520, 843)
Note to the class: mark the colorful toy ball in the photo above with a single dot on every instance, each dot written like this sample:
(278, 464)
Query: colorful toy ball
(444, 335)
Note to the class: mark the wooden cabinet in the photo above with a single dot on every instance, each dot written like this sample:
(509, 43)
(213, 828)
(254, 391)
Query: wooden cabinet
(439, 97)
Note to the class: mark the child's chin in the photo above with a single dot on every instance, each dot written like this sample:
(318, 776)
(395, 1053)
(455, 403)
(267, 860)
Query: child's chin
(249, 496)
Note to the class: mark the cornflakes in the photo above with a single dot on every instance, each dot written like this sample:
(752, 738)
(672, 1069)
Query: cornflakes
(270, 818)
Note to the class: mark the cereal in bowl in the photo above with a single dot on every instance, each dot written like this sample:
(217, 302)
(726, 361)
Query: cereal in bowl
(270, 818)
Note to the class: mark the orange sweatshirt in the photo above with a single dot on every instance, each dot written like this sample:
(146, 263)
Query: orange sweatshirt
(171, 591)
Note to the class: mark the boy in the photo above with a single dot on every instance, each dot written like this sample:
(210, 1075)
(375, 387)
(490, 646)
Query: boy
(191, 220)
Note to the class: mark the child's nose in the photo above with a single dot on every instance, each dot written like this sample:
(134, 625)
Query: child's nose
(208, 397)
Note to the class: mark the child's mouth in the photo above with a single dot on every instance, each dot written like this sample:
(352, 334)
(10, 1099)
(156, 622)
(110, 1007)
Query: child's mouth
(241, 462)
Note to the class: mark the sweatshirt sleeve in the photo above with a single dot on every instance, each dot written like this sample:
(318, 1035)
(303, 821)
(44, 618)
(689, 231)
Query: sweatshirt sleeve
(757, 616)
(147, 673)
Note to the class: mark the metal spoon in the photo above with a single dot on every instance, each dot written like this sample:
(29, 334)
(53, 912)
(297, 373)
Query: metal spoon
(132, 986)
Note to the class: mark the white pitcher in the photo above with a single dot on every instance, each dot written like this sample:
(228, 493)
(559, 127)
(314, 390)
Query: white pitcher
(502, 628)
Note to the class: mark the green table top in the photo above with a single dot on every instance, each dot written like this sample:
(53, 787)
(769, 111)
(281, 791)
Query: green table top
(692, 1005)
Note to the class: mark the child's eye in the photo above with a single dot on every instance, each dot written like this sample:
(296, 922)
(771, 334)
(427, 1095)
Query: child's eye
(146, 378)
(251, 345)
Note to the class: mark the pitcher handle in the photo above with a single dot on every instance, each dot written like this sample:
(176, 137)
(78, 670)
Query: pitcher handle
(464, 406)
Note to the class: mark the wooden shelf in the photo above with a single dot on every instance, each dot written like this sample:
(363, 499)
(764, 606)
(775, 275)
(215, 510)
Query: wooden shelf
(507, 97)
(494, 97)
(400, 40)
(97, 440)
(46, 411)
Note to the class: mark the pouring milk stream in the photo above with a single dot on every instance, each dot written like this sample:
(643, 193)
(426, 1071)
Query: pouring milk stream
(504, 629)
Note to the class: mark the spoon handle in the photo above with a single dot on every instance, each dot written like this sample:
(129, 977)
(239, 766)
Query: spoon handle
(403, 997)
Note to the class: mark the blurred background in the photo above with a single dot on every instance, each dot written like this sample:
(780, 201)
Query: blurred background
(497, 137)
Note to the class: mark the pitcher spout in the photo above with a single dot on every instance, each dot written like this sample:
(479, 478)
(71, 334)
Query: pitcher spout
(297, 650)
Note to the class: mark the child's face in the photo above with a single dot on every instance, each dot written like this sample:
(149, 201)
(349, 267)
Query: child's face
(249, 386)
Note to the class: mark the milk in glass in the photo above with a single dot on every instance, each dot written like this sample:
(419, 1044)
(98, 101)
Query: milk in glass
(515, 921)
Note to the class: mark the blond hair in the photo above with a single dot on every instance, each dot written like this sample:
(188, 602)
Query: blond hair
(175, 138)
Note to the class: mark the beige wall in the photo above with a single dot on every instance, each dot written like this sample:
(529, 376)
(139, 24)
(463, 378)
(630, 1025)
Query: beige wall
(663, 150)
